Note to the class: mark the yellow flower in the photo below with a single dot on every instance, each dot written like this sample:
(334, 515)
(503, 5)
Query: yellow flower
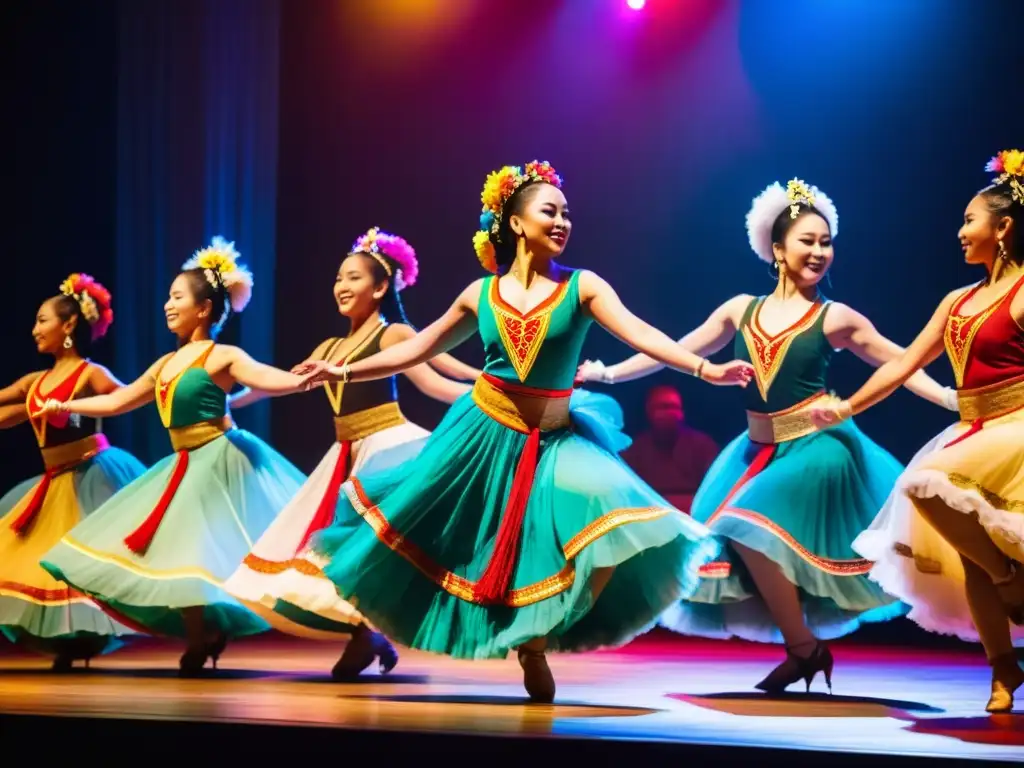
(1013, 162)
(215, 259)
(498, 186)
(485, 251)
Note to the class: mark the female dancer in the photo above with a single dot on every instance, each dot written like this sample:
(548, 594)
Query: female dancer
(789, 500)
(517, 525)
(285, 590)
(82, 471)
(158, 552)
(971, 491)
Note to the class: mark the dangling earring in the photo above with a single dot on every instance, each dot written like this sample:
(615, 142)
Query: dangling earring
(68, 343)
(1001, 250)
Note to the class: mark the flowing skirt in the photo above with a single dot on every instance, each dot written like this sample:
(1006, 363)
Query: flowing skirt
(37, 610)
(233, 488)
(983, 475)
(409, 544)
(801, 504)
(290, 593)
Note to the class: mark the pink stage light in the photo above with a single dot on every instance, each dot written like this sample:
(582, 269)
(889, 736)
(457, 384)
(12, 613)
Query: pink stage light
(636, 5)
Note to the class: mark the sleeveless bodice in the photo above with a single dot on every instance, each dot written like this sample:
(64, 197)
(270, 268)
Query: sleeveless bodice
(358, 396)
(58, 428)
(789, 367)
(191, 396)
(987, 347)
(539, 349)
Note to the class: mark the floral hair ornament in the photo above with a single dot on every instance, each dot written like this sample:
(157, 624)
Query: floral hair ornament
(379, 245)
(93, 299)
(220, 263)
(498, 188)
(770, 204)
(1009, 164)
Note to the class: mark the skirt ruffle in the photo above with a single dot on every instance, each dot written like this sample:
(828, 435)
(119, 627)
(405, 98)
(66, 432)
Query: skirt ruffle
(983, 475)
(409, 544)
(231, 492)
(291, 594)
(802, 510)
(37, 610)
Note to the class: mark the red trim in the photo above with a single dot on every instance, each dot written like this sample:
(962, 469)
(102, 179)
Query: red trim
(329, 503)
(522, 389)
(139, 540)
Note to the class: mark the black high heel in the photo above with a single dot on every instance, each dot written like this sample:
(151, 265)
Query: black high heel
(537, 677)
(63, 664)
(362, 649)
(216, 647)
(192, 662)
(796, 668)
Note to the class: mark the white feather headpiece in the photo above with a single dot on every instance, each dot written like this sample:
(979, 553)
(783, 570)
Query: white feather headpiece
(774, 200)
(220, 261)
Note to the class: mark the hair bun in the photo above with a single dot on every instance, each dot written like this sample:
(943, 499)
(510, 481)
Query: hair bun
(93, 301)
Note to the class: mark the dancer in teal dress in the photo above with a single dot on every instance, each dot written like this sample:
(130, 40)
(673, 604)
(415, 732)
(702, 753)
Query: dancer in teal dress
(787, 499)
(518, 526)
(157, 553)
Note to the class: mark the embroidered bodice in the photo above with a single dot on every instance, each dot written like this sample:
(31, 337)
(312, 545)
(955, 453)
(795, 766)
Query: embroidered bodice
(789, 366)
(986, 347)
(361, 395)
(191, 396)
(539, 349)
(58, 428)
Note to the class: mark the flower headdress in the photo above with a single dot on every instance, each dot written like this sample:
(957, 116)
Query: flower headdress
(219, 261)
(93, 299)
(498, 188)
(773, 201)
(1009, 164)
(379, 245)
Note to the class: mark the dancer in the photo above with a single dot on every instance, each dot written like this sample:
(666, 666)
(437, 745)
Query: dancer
(518, 526)
(289, 593)
(158, 552)
(788, 499)
(963, 530)
(82, 471)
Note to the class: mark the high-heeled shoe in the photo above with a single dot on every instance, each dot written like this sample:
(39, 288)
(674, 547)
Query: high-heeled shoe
(796, 668)
(215, 647)
(361, 651)
(1011, 592)
(537, 677)
(1007, 677)
(63, 664)
(192, 662)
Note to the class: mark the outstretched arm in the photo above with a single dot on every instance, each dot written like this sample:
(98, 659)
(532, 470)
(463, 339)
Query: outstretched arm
(453, 368)
(12, 415)
(857, 334)
(18, 391)
(423, 377)
(608, 310)
(248, 396)
(705, 340)
(117, 400)
(265, 379)
(451, 329)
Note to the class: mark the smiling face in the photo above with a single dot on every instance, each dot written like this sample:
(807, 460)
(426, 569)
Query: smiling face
(805, 253)
(50, 330)
(540, 216)
(356, 289)
(184, 312)
(981, 232)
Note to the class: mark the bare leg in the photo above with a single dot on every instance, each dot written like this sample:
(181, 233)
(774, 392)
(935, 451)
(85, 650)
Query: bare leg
(966, 535)
(987, 611)
(781, 597)
(599, 580)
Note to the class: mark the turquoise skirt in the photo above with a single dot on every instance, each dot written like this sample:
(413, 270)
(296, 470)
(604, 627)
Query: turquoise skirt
(37, 611)
(233, 488)
(802, 510)
(410, 543)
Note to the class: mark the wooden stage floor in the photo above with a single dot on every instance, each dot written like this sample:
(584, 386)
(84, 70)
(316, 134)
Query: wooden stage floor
(888, 701)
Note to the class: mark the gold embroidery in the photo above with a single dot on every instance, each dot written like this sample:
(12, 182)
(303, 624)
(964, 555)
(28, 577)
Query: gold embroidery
(524, 335)
(463, 588)
(197, 435)
(767, 353)
(521, 411)
(274, 567)
(39, 596)
(370, 421)
(70, 455)
(994, 400)
(782, 426)
(854, 567)
(991, 498)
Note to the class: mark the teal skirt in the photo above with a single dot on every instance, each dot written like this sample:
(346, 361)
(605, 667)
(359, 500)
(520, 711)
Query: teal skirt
(36, 611)
(409, 543)
(802, 510)
(231, 491)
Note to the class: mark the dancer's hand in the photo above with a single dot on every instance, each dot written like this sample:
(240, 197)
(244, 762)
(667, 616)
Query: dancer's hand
(305, 367)
(952, 400)
(321, 372)
(593, 370)
(831, 412)
(54, 406)
(735, 374)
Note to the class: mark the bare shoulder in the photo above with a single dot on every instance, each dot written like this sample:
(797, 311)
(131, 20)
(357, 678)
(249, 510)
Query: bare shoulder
(470, 296)
(395, 333)
(322, 348)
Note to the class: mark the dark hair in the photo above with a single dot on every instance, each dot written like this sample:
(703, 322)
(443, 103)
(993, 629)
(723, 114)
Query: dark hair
(67, 307)
(1000, 202)
(505, 242)
(391, 308)
(217, 294)
(784, 221)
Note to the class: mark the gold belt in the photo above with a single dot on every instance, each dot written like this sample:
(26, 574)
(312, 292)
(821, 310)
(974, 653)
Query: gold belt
(68, 455)
(782, 426)
(522, 408)
(197, 435)
(356, 426)
(991, 401)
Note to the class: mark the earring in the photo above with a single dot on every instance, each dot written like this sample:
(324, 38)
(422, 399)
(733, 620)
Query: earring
(68, 343)
(1001, 250)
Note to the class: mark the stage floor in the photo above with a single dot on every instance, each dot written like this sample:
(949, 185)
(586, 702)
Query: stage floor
(887, 701)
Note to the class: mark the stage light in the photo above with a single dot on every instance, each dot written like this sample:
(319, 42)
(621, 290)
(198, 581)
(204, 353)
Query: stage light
(636, 5)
